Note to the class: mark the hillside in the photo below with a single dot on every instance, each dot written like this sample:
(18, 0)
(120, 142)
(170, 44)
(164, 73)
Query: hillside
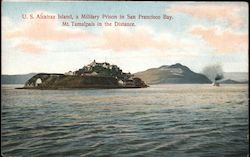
(173, 74)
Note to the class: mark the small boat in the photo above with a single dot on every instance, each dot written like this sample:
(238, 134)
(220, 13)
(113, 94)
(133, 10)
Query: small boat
(216, 84)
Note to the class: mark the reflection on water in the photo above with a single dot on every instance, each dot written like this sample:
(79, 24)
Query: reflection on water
(163, 120)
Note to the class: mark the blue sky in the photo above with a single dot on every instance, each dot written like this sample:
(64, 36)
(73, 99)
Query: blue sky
(199, 34)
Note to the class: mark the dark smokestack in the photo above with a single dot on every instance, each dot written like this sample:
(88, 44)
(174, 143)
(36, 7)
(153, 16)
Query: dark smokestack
(218, 77)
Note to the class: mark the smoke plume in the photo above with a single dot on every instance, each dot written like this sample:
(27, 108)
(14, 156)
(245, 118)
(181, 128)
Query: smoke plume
(213, 72)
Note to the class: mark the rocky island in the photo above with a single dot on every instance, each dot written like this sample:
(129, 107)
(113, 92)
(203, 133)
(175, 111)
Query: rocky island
(93, 75)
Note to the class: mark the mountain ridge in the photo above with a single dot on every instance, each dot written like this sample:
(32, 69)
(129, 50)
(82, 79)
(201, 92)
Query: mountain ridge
(176, 73)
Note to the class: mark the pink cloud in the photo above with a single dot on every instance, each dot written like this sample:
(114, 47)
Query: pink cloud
(29, 48)
(137, 39)
(230, 12)
(41, 29)
(223, 41)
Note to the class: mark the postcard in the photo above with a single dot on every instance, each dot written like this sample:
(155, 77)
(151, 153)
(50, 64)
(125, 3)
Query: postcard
(123, 78)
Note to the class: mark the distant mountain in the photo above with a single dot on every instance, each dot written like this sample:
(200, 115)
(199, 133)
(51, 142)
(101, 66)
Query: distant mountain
(16, 79)
(176, 73)
(236, 76)
(229, 81)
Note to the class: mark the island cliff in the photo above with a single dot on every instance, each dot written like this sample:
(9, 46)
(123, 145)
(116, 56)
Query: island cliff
(94, 75)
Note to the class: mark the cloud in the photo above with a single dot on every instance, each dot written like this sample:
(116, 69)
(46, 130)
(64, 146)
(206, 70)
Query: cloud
(7, 23)
(137, 39)
(224, 41)
(41, 29)
(231, 12)
(29, 48)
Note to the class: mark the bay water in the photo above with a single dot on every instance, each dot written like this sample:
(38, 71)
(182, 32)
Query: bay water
(162, 120)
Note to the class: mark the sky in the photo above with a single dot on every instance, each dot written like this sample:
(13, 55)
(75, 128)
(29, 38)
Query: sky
(199, 34)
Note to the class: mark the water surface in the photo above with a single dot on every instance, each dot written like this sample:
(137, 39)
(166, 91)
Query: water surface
(163, 120)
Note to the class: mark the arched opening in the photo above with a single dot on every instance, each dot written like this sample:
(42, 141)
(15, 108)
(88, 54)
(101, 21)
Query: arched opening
(38, 82)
